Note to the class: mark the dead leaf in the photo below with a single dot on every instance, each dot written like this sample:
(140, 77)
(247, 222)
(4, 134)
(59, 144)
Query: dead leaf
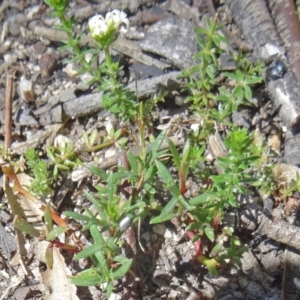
(57, 279)
(275, 143)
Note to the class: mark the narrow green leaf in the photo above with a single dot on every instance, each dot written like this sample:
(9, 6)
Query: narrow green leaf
(100, 173)
(54, 233)
(217, 248)
(156, 145)
(209, 233)
(87, 252)
(122, 270)
(175, 153)
(211, 264)
(168, 179)
(166, 213)
(248, 92)
(185, 204)
(88, 277)
(85, 138)
(76, 216)
(150, 173)
(120, 258)
(184, 165)
(97, 236)
(25, 226)
(97, 204)
(133, 161)
(49, 256)
(231, 76)
(93, 137)
(100, 261)
(203, 198)
(48, 218)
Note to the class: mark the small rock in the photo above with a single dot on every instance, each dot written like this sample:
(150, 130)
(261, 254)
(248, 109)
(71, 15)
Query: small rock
(154, 238)
(39, 48)
(48, 64)
(14, 29)
(254, 291)
(26, 92)
(239, 295)
(146, 236)
(234, 286)
(193, 296)
(61, 141)
(159, 229)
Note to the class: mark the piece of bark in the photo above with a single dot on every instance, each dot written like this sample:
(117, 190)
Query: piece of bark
(173, 39)
(141, 71)
(291, 148)
(133, 49)
(253, 18)
(24, 118)
(61, 97)
(8, 243)
(83, 106)
(146, 88)
(254, 218)
(183, 10)
(291, 271)
(46, 135)
(54, 116)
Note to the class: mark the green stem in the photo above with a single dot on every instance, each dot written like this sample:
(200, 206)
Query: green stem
(72, 42)
(112, 74)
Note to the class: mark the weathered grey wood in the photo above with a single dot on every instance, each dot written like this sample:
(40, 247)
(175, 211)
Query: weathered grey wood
(287, 24)
(173, 39)
(253, 18)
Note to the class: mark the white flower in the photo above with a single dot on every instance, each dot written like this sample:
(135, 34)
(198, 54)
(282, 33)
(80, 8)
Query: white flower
(118, 17)
(99, 26)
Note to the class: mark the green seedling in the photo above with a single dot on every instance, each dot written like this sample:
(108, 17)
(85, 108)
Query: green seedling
(106, 270)
(39, 170)
(114, 137)
(64, 158)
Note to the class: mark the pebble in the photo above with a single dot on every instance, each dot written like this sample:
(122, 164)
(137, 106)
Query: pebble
(239, 295)
(234, 286)
(159, 229)
(26, 92)
(48, 64)
(146, 236)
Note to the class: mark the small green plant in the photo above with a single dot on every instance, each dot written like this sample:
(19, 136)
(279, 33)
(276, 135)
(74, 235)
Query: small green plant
(64, 157)
(202, 77)
(127, 195)
(113, 137)
(107, 225)
(39, 170)
(104, 31)
(208, 100)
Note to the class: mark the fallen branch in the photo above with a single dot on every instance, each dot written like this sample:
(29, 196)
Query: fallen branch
(287, 24)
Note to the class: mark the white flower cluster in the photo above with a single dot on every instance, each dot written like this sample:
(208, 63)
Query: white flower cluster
(100, 27)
